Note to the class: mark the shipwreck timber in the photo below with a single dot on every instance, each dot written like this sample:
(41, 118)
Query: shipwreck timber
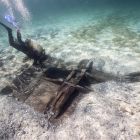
(48, 86)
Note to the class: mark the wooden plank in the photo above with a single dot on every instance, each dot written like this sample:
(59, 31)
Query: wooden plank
(67, 88)
(42, 95)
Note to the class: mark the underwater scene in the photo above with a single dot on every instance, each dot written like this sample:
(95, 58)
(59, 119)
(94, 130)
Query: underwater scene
(75, 72)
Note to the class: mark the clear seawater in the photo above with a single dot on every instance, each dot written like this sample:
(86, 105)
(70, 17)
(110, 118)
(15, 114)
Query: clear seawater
(107, 31)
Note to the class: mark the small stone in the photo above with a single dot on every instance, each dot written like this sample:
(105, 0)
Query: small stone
(6, 90)
(23, 132)
(1, 63)
(125, 108)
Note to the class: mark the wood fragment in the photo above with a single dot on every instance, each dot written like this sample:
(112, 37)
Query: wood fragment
(67, 88)
(48, 85)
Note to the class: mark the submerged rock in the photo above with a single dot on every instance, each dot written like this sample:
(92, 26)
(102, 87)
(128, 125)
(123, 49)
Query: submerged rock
(6, 90)
(1, 63)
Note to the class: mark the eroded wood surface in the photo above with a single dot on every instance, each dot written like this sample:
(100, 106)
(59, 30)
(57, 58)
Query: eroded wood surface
(49, 89)
(52, 89)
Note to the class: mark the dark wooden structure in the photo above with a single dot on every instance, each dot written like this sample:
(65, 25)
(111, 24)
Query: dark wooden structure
(49, 86)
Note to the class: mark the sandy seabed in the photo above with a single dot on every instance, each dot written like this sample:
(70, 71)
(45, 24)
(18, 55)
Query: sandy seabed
(111, 39)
